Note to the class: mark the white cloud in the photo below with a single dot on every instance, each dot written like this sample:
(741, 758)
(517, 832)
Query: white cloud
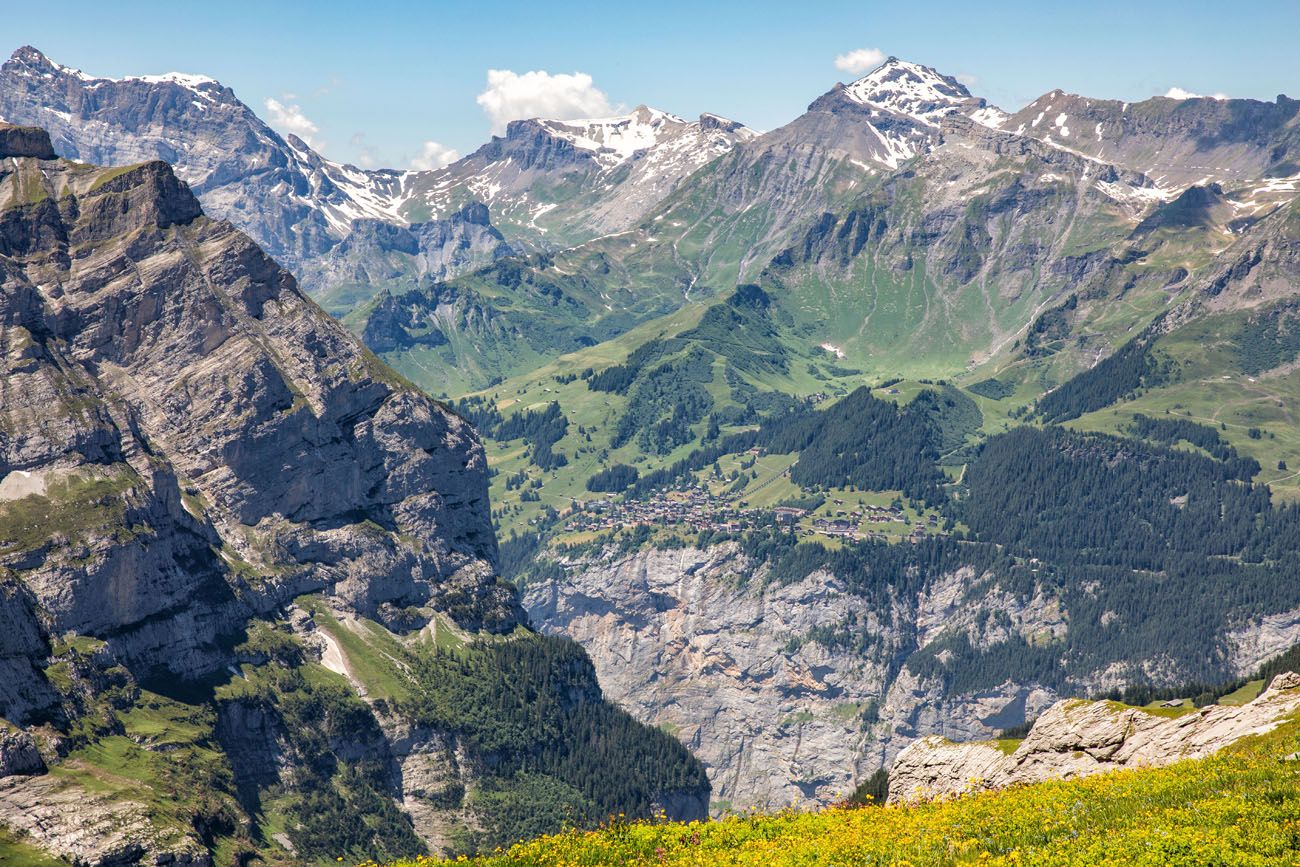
(1179, 93)
(967, 79)
(860, 60)
(434, 156)
(289, 118)
(512, 96)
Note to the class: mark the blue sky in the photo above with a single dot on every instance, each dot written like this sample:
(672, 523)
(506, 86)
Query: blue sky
(388, 83)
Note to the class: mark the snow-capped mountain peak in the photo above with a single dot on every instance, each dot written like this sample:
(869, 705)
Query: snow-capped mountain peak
(909, 88)
(921, 93)
(897, 110)
(240, 167)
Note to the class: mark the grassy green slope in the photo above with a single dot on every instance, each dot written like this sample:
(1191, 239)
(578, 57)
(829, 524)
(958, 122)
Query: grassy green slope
(1237, 807)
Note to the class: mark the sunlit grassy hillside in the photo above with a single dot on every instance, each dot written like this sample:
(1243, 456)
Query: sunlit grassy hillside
(1241, 806)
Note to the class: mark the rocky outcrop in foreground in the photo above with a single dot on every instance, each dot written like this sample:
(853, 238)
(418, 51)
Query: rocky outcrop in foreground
(1077, 738)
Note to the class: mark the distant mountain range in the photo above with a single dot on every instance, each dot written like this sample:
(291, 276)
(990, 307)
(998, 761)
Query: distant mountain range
(601, 175)
(1005, 210)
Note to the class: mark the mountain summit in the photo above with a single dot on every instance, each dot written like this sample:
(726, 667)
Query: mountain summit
(921, 93)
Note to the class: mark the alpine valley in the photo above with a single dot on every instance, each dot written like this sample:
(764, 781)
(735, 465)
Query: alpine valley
(626, 465)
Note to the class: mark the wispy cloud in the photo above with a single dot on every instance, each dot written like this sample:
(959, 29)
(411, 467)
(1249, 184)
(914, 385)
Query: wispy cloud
(511, 96)
(289, 118)
(967, 79)
(434, 156)
(859, 60)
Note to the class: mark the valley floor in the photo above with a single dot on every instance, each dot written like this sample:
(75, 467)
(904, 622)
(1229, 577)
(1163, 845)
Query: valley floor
(1241, 806)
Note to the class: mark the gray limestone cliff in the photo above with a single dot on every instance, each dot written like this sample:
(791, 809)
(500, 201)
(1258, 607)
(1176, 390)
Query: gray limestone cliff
(792, 693)
(748, 673)
(188, 442)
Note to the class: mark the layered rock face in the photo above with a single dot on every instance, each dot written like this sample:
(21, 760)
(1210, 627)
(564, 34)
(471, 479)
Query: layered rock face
(793, 693)
(747, 672)
(1078, 738)
(1180, 141)
(185, 438)
(195, 462)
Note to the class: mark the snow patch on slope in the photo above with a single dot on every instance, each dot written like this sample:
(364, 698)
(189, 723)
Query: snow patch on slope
(921, 94)
(616, 140)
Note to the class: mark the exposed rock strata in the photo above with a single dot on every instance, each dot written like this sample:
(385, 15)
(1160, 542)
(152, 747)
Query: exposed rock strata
(699, 642)
(187, 442)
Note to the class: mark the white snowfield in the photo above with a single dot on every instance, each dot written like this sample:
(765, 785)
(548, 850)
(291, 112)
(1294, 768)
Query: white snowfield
(921, 93)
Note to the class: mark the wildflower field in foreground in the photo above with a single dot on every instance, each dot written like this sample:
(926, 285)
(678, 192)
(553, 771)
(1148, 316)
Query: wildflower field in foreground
(1241, 806)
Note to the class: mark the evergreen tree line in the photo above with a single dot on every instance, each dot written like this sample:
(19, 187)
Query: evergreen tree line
(1118, 376)
(528, 711)
(613, 480)
(860, 441)
(1270, 338)
(1173, 430)
(1151, 548)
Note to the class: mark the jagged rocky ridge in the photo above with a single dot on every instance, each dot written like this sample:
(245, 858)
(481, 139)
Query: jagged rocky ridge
(550, 183)
(1075, 738)
(289, 199)
(1178, 142)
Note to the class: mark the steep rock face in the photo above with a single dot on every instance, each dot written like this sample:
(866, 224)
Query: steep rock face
(1078, 738)
(289, 199)
(1179, 142)
(19, 755)
(186, 438)
(384, 254)
(747, 673)
(792, 693)
(26, 141)
(1263, 266)
(23, 688)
